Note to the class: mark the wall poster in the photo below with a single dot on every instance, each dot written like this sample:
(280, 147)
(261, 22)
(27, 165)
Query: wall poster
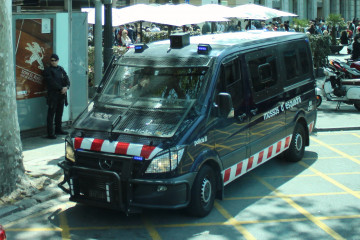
(34, 46)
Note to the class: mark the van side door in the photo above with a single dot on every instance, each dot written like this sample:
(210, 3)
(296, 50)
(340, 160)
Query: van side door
(266, 103)
(231, 133)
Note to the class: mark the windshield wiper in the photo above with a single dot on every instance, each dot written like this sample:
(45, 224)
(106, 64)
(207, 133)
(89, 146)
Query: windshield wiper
(115, 122)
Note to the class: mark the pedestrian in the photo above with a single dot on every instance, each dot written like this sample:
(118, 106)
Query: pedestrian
(344, 40)
(356, 48)
(126, 41)
(57, 82)
(206, 28)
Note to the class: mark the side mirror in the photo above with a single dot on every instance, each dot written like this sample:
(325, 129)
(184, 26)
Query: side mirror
(225, 104)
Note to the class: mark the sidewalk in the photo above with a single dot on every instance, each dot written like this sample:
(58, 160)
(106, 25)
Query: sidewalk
(41, 155)
(40, 158)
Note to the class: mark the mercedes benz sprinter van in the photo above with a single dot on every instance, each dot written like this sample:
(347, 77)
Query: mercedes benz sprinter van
(175, 121)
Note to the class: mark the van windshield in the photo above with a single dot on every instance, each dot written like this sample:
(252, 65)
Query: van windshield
(141, 84)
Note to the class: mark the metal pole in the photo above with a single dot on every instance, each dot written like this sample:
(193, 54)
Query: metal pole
(98, 43)
(108, 34)
(69, 6)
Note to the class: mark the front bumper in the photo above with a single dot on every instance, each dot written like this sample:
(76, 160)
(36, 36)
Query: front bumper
(119, 191)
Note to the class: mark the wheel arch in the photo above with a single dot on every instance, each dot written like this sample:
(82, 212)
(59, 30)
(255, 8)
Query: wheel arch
(211, 159)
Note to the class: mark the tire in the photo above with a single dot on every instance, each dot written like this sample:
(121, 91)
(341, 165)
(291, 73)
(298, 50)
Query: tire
(318, 100)
(297, 146)
(202, 193)
(357, 105)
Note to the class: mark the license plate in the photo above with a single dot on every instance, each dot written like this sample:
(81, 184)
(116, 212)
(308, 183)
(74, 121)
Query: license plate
(97, 194)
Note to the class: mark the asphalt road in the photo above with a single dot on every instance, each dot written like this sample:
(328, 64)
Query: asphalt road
(316, 198)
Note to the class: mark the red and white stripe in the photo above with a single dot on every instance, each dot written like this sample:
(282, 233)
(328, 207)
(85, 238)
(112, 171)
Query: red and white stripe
(255, 160)
(122, 148)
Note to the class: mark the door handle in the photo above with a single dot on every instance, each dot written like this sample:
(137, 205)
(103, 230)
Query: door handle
(254, 111)
(241, 117)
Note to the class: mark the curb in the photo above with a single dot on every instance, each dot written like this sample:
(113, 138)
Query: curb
(50, 192)
(336, 129)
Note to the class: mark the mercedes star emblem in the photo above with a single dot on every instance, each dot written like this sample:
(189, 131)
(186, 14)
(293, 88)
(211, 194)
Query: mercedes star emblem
(105, 164)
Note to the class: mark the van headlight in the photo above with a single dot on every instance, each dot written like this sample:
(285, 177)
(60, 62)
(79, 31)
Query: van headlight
(166, 162)
(69, 152)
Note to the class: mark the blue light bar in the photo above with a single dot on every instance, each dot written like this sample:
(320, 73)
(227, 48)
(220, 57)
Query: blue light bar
(204, 48)
(137, 158)
(139, 48)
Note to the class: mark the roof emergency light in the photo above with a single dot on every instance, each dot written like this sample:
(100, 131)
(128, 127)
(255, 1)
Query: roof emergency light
(204, 48)
(139, 48)
(179, 40)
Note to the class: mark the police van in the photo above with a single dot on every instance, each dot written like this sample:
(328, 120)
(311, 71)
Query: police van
(175, 121)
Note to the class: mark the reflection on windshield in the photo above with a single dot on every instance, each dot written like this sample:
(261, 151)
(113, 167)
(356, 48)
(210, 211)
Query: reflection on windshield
(134, 83)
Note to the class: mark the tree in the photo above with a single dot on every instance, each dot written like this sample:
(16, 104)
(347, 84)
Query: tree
(335, 21)
(11, 162)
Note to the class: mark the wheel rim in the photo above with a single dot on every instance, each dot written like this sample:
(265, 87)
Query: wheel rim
(206, 191)
(298, 142)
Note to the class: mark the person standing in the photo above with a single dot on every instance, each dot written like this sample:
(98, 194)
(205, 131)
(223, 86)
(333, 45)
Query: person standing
(57, 82)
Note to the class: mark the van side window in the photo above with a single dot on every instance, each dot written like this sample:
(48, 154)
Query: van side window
(304, 60)
(263, 72)
(230, 82)
(291, 64)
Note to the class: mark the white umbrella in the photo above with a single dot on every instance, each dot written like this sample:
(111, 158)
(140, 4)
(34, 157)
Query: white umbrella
(134, 13)
(217, 10)
(91, 15)
(181, 14)
(254, 11)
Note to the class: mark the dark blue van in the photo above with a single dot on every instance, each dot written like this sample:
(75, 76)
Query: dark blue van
(175, 121)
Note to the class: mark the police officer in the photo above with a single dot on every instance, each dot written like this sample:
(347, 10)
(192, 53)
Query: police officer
(58, 83)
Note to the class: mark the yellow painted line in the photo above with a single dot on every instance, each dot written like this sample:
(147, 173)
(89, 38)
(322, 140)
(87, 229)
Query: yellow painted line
(329, 179)
(308, 215)
(288, 195)
(356, 135)
(65, 233)
(151, 229)
(232, 221)
(340, 144)
(56, 229)
(345, 155)
(333, 133)
(339, 217)
(105, 227)
(311, 175)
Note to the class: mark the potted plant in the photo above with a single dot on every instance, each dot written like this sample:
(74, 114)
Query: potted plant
(300, 24)
(335, 21)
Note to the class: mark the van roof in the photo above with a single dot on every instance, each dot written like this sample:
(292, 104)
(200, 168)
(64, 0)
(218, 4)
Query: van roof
(220, 43)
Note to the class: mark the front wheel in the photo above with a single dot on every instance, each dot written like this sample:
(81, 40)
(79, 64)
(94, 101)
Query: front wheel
(202, 193)
(297, 146)
(318, 100)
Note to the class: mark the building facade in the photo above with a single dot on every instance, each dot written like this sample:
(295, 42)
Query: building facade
(312, 9)
(305, 9)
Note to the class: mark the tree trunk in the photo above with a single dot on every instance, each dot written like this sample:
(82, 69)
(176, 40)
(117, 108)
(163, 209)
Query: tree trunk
(11, 162)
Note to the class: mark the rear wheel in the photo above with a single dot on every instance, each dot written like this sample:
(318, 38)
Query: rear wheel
(202, 193)
(297, 146)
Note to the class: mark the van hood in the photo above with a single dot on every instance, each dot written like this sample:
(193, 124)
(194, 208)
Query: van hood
(153, 119)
